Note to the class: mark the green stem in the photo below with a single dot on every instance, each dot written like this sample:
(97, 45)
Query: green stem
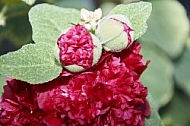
(4, 9)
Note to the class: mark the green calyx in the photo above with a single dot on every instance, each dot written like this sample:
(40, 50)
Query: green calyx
(97, 50)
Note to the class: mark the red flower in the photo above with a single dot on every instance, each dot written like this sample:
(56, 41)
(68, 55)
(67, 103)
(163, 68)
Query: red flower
(110, 93)
(18, 106)
(76, 47)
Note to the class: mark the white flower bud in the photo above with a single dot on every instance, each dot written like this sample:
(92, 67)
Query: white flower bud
(90, 19)
(115, 32)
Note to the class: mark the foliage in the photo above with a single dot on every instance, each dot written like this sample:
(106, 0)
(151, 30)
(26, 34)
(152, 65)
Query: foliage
(166, 44)
(34, 63)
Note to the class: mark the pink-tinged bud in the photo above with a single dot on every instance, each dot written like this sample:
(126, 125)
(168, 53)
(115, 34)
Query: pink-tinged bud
(78, 50)
(115, 33)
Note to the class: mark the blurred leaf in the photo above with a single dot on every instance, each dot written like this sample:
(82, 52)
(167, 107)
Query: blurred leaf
(137, 13)
(29, 2)
(77, 4)
(168, 26)
(17, 30)
(158, 76)
(188, 43)
(33, 63)
(10, 2)
(182, 71)
(177, 112)
(154, 119)
(107, 7)
(49, 21)
(2, 82)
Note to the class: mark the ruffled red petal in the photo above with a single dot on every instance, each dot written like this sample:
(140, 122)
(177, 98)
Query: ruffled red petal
(76, 47)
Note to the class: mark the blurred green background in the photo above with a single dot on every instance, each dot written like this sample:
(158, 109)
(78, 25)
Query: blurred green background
(166, 43)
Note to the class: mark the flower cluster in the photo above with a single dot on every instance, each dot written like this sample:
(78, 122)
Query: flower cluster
(109, 93)
(99, 84)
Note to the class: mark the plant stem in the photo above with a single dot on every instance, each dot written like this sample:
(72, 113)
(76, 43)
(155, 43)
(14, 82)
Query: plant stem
(4, 9)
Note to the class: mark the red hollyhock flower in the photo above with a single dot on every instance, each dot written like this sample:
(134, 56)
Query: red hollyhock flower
(76, 47)
(108, 94)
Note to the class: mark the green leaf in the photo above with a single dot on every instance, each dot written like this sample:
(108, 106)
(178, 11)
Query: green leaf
(154, 119)
(182, 71)
(33, 63)
(168, 26)
(158, 77)
(137, 13)
(188, 43)
(49, 21)
(29, 2)
(176, 113)
(78, 4)
(2, 82)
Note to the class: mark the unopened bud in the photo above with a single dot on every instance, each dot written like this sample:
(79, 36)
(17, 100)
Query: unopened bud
(115, 33)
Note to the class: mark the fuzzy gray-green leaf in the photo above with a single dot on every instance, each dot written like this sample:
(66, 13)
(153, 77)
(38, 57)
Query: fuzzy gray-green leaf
(49, 21)
(33, 63)
(2, 82)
